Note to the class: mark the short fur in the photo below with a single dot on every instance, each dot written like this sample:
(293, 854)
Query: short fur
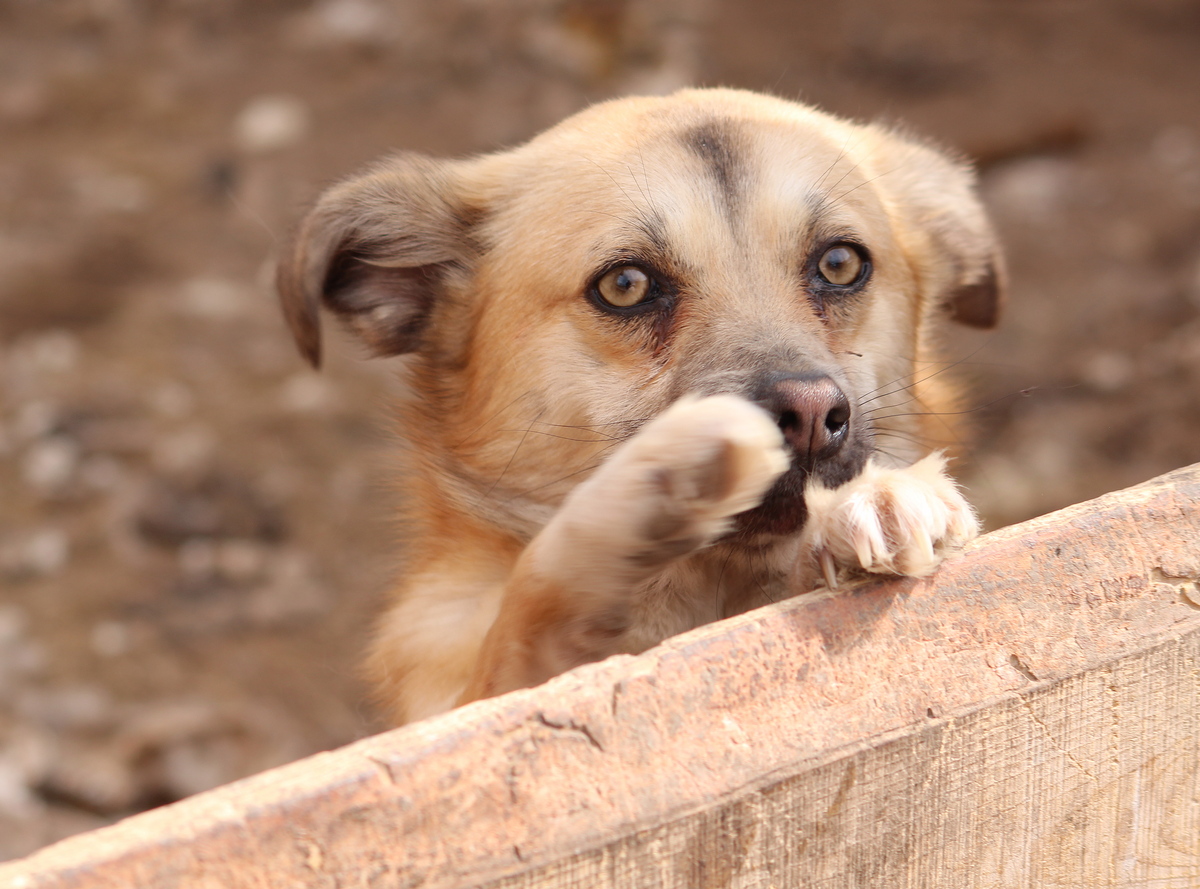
(586, 480)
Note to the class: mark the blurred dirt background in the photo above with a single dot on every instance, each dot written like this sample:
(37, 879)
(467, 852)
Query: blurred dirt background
(194, 528)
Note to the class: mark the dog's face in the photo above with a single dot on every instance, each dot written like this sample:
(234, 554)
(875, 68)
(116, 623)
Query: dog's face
(555, 297)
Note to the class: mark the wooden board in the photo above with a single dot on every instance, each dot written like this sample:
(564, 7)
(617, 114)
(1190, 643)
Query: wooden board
(1029, 717)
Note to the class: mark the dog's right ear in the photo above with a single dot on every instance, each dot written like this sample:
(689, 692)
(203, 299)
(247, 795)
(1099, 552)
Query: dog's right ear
(946, 227)
(375, 250)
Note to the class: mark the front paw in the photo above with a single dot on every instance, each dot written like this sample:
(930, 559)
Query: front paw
(887, 521)
(676, 485)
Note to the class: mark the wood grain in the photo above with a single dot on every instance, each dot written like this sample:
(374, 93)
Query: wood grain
(1028, 717)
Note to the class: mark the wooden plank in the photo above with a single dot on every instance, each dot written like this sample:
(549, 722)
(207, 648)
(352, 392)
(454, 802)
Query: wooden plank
(1028, 717)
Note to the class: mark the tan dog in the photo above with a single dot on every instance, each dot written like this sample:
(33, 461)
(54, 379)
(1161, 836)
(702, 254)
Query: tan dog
(670, 360)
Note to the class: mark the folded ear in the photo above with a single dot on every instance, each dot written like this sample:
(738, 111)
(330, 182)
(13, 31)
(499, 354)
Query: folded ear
(376, 250)
(946, 229)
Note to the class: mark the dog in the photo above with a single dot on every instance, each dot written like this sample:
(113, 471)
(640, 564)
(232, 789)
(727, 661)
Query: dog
(672, 359)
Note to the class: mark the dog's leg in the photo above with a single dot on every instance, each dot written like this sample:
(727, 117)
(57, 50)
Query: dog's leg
(886, 521)
(671, 489)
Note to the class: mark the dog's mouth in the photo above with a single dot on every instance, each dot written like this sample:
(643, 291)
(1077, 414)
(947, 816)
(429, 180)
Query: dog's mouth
(783, 510)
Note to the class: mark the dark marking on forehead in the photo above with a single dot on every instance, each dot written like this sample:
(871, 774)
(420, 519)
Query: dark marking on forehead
(715, 142)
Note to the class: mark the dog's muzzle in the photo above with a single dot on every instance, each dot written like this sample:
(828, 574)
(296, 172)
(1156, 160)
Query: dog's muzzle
(818, 424)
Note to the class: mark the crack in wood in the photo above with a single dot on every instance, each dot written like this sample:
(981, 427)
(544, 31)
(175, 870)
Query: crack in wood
(1020, 667)
(384, 769)
(570, 725)
(1062, 748)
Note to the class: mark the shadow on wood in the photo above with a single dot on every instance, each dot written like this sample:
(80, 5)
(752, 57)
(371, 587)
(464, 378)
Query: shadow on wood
(1028, 717)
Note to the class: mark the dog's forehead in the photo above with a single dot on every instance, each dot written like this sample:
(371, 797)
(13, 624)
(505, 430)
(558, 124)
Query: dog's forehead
(772, 180)
(701, 177)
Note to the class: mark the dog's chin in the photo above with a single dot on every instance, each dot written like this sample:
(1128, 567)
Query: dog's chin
(781, 513)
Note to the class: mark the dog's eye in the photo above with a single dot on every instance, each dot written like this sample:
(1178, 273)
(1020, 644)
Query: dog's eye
(625, 286)
(841, 265)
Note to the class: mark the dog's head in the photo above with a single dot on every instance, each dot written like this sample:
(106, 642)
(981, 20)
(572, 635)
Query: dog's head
(554, 297)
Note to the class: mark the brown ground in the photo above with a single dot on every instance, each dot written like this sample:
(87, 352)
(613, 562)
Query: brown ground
(193, 528)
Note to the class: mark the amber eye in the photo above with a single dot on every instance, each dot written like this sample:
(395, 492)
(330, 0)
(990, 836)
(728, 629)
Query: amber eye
(841, 265)
(625, 286)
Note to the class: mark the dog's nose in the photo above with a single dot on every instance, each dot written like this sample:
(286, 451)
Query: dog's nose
(813, 413)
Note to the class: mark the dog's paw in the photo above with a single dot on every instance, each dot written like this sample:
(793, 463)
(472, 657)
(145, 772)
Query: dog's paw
(676, 485)
(887, 521)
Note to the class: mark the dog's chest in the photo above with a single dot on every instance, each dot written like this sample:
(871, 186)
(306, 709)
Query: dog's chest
(712, 585)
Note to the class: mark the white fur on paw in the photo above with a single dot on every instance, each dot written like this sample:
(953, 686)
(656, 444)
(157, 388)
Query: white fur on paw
(676, 485)
(669, 490)
(889, 521)
(713, 457)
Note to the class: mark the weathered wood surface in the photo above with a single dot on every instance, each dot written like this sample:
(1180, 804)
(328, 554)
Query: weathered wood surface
(1029, 717)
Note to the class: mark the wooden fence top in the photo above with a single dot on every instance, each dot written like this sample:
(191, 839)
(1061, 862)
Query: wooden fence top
(508, 787)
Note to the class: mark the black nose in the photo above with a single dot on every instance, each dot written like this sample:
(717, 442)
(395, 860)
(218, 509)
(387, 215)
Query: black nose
(813, 413)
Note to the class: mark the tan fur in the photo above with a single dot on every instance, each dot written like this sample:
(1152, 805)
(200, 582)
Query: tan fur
(580, 478)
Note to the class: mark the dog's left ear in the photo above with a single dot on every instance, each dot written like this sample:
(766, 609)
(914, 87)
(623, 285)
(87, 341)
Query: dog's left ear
(947, 230)
(377, 251)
